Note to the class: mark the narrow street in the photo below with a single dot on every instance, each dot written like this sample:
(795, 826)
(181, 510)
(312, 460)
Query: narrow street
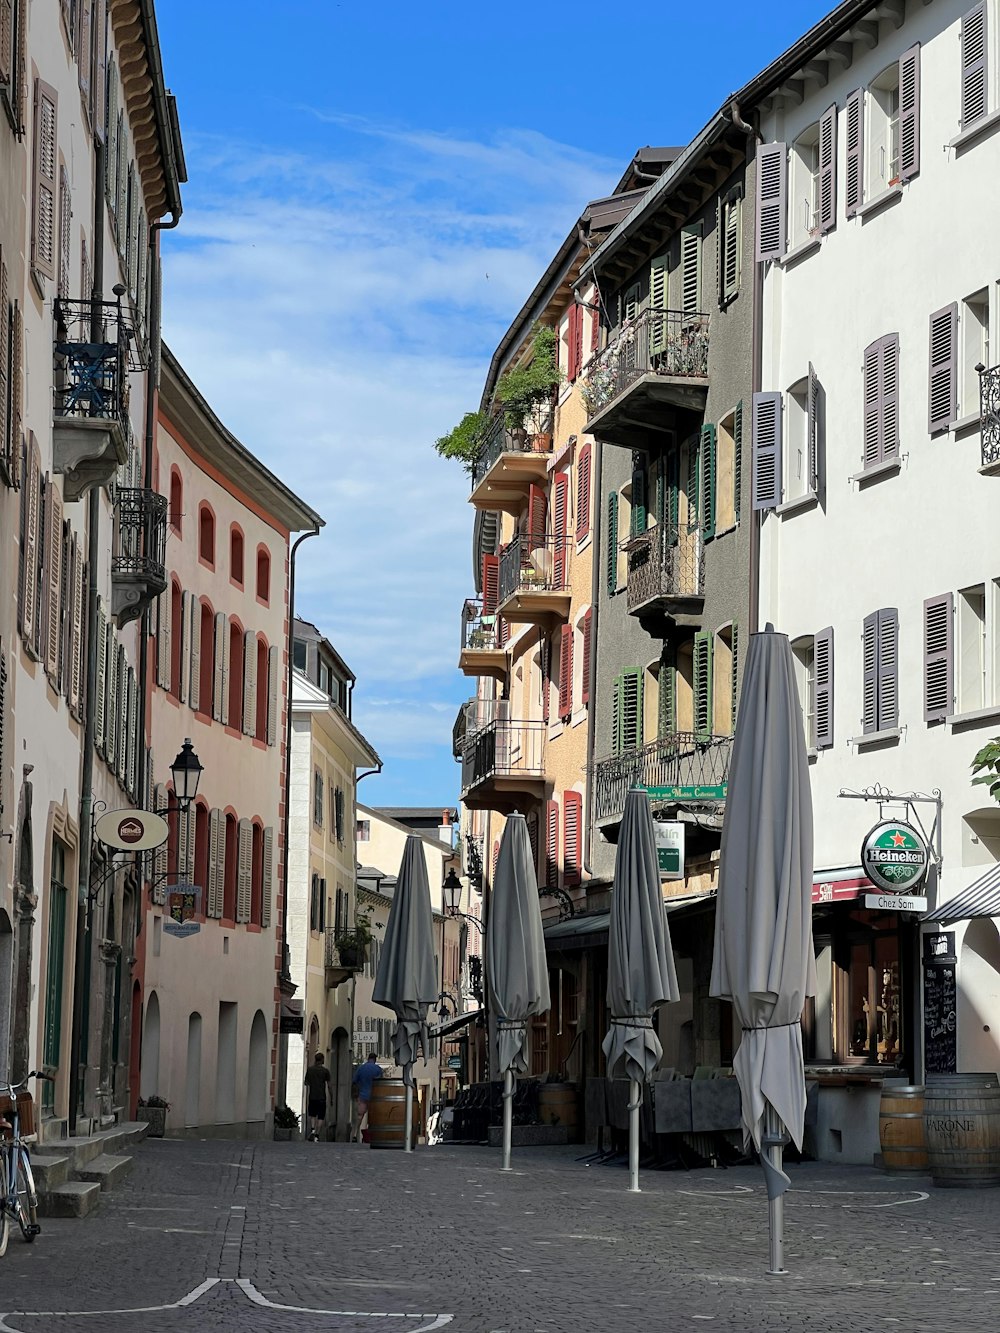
(217, 1235)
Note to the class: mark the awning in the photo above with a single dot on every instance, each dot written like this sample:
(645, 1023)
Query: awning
(581, 931)
(840, 885)
(981, 898)
(454, 1023)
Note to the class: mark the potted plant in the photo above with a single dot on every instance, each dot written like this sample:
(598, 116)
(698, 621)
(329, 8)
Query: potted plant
(352, 945)
(465, 440)
(523, 389)
(153, 1110)
(286, 1124)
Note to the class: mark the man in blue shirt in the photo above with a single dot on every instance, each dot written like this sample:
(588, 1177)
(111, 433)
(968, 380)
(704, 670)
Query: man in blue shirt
(364, 1076)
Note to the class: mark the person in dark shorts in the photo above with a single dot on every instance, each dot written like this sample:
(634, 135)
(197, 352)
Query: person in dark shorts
(317, 1080)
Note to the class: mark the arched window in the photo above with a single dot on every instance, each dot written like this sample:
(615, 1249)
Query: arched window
(232, 867)
(236, 555)
(235, 713)
(263, 574)
(176, 500)
(206, 535)
(257, 876)
(201, 850)
(176, 603)
(262, 689)
(206, 661)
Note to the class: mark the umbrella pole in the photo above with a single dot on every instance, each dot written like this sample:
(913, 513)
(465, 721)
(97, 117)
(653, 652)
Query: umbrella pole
(408, 1133)
(635, 1101)
(508, 1116)
(775, 1207)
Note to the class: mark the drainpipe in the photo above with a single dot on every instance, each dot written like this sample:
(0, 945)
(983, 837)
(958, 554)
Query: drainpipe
(597, 511)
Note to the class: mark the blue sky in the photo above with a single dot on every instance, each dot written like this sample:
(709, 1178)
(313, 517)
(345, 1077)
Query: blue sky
(374, 191)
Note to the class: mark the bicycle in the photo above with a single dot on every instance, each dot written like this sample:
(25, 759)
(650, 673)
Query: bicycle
(18, 1198)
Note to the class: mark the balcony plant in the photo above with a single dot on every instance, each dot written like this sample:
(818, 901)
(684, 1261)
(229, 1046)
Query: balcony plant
(153, 1110)
(522, 390)
(352, 945)
(463, 441)
(988, 758)
(286, 1124)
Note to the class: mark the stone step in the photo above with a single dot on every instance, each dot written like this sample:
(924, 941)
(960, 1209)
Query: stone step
(107, 1170)
(49, 1169)
(74, 1198)
(82, 1149)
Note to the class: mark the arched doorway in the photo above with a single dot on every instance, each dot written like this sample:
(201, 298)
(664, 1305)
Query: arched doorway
(257, 1067)
(149, 1078)
(192, 1084)
(341, 1071)
(135, 1033)
(979, 999)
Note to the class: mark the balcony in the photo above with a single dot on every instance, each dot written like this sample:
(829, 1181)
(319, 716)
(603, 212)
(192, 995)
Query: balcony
(666, 578)
(509, 462)
(989, 416)
(482, 652)
(94, 352)
(654, 367)
(534, 580)
(502, 765)
(679, 769)
(339, 965)
(138, 571)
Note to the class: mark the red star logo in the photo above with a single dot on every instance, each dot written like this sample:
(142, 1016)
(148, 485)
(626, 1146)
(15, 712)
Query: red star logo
(899, 839)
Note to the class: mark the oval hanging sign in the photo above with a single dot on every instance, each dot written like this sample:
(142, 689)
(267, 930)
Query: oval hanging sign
(894, 856)
(131, 830)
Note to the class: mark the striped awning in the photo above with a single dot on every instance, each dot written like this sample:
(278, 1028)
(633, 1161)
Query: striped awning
(981, 898)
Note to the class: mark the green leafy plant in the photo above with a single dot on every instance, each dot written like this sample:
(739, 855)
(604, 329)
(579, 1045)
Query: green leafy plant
(358, 939)
(285, 1118)
(464, 441)
(523, 389)
(988, 759)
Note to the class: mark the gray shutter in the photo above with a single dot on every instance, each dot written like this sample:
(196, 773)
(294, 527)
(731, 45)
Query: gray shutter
(43, 216)
(812, 430)
(161, 864)
(869, 654)
(244, 869)
(111, 700)
(909, 113)
(738, 459)
(101, 671)
(273, 664)
(888, 669)
(121, 716)
(4, 727)
(854, 185)
(267, 878)
(871, 448)
(194, 618)
(823, 689)
(975, 93)
(220, 641)
(249, 683)
(131, 739)
(828, 169)
(889, 396)
(772, 210)
(216, 863)
(766, 449)
(612, 546)
(938, 657)
(941, 408)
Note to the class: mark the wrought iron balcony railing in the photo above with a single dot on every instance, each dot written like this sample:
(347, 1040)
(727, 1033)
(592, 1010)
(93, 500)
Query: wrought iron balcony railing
(94, 350)
(140, 535)
(503, 749)
(499, 439)
(989, 414)
(659, 342)
(664, 563)
(681, 767)
(474, 845)
(478, 631)
(534, 564)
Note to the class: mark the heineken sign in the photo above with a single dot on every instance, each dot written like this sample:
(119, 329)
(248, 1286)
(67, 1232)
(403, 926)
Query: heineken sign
(895, 857)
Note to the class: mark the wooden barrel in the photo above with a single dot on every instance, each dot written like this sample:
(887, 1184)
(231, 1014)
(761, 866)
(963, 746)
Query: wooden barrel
(962, 1117)
(901, 1129)
(387, 1114)
(559, 1104)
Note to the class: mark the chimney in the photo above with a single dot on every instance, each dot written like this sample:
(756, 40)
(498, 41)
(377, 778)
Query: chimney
(445, 828)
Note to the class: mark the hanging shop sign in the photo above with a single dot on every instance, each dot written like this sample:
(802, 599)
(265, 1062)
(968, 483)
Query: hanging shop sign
(895, 857)
(687, 793)
(131, 830)
(182, 908)
(669, 835)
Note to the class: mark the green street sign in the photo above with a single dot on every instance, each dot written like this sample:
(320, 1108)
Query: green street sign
(717, 793)
(669, 860)
(454, 1062)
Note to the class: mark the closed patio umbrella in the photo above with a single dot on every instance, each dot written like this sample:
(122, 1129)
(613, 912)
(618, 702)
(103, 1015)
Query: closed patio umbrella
(406, 980)
(641, 973)
(516, 969)
(764, 961)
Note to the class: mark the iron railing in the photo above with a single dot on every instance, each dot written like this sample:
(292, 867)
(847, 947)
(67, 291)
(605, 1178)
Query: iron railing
(503, 749)
(685, 766)
(989, 414)
(473, 845)
(664, 563)
(478, 631)
(534, 564)
(499, 439)
(355, 955)
(140, 548)
(480, 713)
(659, 342)
(94, 350)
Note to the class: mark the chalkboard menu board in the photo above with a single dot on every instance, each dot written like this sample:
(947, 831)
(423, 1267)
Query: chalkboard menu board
(940, 1019)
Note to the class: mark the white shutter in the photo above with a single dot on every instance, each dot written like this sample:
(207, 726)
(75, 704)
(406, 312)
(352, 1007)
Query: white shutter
(43, 230)
(244, 870)
(53, 579)
(250, 683)
(182, 657)
(164, 612)
(161, 865)
(132, 737)
(194, 635)
(268, 878)
(111, 699)
(220, 639)
(29, 563)
(78, 639)
(216, 864)
(273, 666)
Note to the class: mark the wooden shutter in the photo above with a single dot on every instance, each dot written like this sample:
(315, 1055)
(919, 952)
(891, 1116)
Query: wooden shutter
(537, 505)
(54, 580)
(551, 844)
(545, 668)
(585, 664)
(164, 616)
(737, 459)
(691, 269)
(65, 217)
(707, 453)
(975, 92)
(888, 669)
(29, 563)
(575, 341)
(566, 672)
(4, 728)
(111, 699)
(639, 518)
(943, 358)
(854, 187)
(560, 524)
(869, 655)
(611, 550)
(703, 645)
(772, 208)
(273, 666)
(730, 238)
(244, 870)
(249, 683)
(43, 218)
(491, 584)
(595, 320)
(673, 496)
(84, 47)
(183, 654)
(872, 442)
(659, 289)
(16, 393)
(694, 483)
(909, 113)
(216, 864)
(111, 135)
(194, 635)
(220, 653)
(121, 715)
(823, 689)
(99, 702)
(734, 678)
(583, 493)
(185, 852)
(572, 837)
(812, 430)
(161, 865)
(6, 444)
(132, 739)
(631, 709)
(98, 90)
(616, 715)
(889, 392)
(666, 693)
(766, 450)
(938, 657)
(268, 878)
(828, 170)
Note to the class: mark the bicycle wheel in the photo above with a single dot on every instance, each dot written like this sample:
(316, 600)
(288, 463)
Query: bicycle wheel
(4, 1228)
(27, 1199)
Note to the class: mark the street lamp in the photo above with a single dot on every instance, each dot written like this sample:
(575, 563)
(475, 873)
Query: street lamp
(452, 890)
(186, 772)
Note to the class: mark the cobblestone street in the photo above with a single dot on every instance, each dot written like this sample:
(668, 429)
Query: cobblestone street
(235, 1236)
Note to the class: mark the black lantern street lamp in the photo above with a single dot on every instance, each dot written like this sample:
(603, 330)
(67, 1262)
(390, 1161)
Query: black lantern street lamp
(452, 888)
(186, 772)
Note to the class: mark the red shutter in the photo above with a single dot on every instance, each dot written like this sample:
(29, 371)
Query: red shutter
(496, 858)
(533, 839)
(576, 333)
(583, 493)
(551, 844)
(491, 584)
(537, 506)
(572, 822)
(566, 671)
(545, 654)
(585, 670)
(595, 320)
(559, 529)
(572, 342)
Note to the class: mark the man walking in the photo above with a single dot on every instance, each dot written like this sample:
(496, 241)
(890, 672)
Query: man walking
(317, 1080)
(364, 1076)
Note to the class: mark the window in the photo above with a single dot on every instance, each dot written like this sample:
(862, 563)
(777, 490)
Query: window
(318, 798)
(236, 555)
(691, 269)
(883, 132)
(206, 660)
(363, 830)
(880, 652)
(974, 326)
(176, 500)
(627, 711)
(338, 813)
(263, 575)
(666, 693)
(234, 714)
(314, 904)
(263, 688)
(230, 882)
(256, 875)
(730, 243)
(299, 654)
(551, 844)
(728, 448)
(723, 687)
(206, 535)
(800, 447)
(804, 663)
(973, 657)
(201, 846)
(881, 401)
(804, 186)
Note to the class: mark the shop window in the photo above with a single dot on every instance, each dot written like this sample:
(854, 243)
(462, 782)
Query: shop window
(869, 1001)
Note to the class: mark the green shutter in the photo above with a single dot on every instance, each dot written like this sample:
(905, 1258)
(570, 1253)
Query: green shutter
(736, 674)
(616, 716)
(612, 547)
(708, 451)
(638, 522)
(691, 269)
(737, 457)
(674, 494)
(694, 473)
(659, 280)
(666, 692)
(630, 710)
(703, 685)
